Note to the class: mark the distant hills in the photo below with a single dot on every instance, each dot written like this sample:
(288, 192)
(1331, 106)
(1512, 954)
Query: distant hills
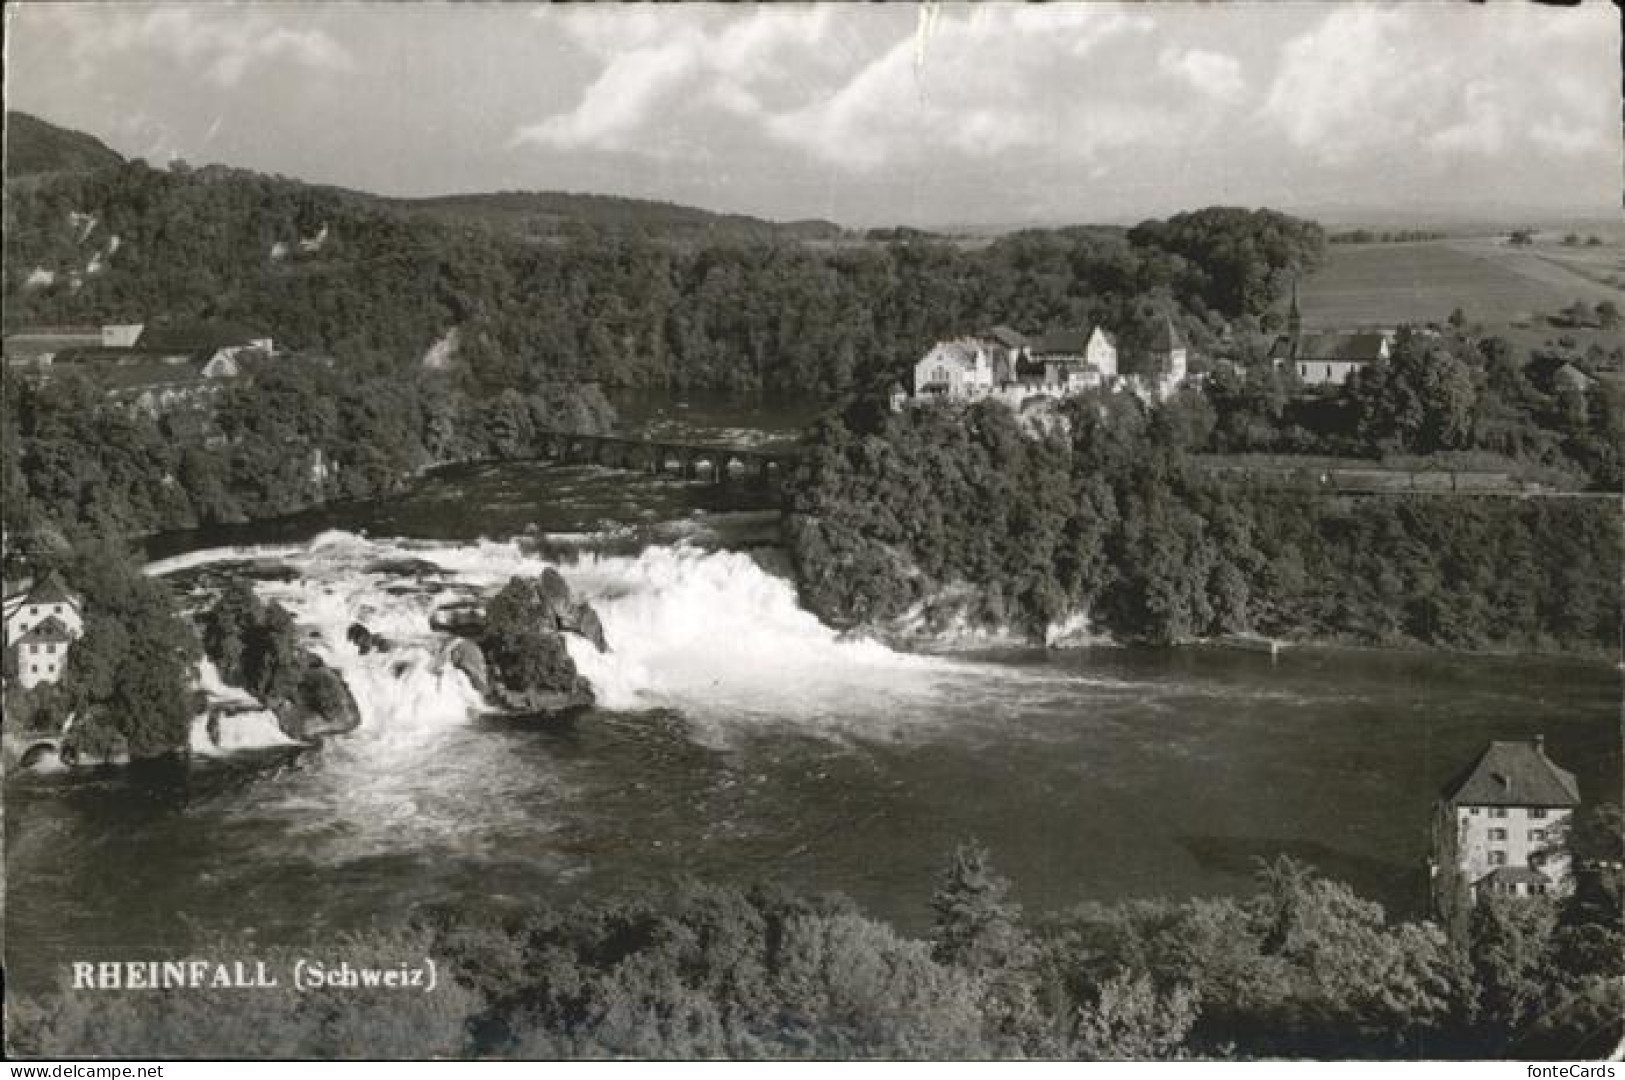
(540, 214)
(34, 146)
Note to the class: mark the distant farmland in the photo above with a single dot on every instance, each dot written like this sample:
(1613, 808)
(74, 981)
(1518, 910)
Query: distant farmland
(1492, 282)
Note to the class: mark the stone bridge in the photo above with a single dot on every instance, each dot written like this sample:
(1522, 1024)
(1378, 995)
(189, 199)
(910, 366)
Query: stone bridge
(666, 458)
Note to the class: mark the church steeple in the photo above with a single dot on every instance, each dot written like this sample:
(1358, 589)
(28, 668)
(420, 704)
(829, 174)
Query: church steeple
(1294, 318)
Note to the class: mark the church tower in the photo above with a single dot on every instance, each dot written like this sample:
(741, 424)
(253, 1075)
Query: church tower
(1294, 320)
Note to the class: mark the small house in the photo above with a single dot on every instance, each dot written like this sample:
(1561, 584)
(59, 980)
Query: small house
(50, 598)
(42, 652)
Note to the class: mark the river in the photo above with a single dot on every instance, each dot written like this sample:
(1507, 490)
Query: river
(737, 739)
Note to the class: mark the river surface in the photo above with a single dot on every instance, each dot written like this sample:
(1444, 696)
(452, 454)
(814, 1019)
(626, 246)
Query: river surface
(736, 739)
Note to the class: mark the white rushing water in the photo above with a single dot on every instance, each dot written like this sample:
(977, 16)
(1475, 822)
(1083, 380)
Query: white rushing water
(709, 633)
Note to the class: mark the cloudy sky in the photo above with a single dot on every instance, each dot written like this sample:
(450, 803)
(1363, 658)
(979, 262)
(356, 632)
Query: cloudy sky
(929, 115)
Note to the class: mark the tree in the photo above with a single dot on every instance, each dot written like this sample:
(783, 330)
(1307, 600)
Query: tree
(1511, 950)
(1131, 1021)
(132, 672)
(1422, 400)
(977, 925)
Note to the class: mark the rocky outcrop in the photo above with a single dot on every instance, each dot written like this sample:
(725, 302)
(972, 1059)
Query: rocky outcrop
(546, 682)
(366, 641)
(465, 618)
(403, 567)
(321, 705)
(513, 649)
(258, 646)
(466, 657)
(583, 621)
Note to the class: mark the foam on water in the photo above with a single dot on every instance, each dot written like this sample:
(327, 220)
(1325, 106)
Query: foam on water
(709, 633)
(242, 724)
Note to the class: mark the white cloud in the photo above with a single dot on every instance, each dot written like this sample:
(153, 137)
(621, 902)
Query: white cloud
(223, 42)
(1377, 79)
(661, 62)
(1066, 82)
(966, 81)
(1215, 74)
(619, 102)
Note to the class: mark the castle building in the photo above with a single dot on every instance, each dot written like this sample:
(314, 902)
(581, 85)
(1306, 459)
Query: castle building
(1013, 368)
(959, 370)
(1497, 822)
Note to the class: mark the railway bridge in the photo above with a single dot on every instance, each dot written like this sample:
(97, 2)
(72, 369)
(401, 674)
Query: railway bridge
(675, 460)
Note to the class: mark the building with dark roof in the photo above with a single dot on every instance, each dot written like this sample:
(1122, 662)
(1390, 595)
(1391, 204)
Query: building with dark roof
(1497, 821)
(49, 598)
(1008, 366)
(41, 626)
(201, 336)
(1330, 359)
(42, 653)
(1009, 338)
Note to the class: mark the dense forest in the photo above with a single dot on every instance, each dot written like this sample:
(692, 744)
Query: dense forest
(932, 516)
(341, 274)
(293, 434)
(1302, 968)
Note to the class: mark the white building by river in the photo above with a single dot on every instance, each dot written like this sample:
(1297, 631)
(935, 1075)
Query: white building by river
(1498, 821)
(41, 626)
(1008, 366)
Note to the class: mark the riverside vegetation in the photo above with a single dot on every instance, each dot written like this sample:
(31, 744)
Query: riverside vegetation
(932, 517)
(1302, 968)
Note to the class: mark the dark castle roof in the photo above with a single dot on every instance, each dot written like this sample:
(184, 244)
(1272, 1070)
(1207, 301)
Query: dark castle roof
(192, 334)
(51, 590)
(1514, 774)
(1166, 338)
(1067, 342)
(1010, 339)
(1345, 348)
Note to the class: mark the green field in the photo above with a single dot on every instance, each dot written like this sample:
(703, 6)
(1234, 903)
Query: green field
(1494, 283)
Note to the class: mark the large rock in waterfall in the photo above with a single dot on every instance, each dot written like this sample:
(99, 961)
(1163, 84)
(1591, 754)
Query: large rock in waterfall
(466, 657)
(532, 674)
(583, 621)
(465, 618)
(365, 640)
(320, 705)
(257, 646)
(513, 650)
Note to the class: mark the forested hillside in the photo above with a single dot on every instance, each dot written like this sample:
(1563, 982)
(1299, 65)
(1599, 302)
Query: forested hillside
(936, 516)
(341, 273)
(34, 146)
(293, 435)
(536, 215)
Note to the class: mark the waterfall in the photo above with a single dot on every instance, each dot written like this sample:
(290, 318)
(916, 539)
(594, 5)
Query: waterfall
(710, 633)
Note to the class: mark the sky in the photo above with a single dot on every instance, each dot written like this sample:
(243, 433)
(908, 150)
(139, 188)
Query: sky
(933, 115)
